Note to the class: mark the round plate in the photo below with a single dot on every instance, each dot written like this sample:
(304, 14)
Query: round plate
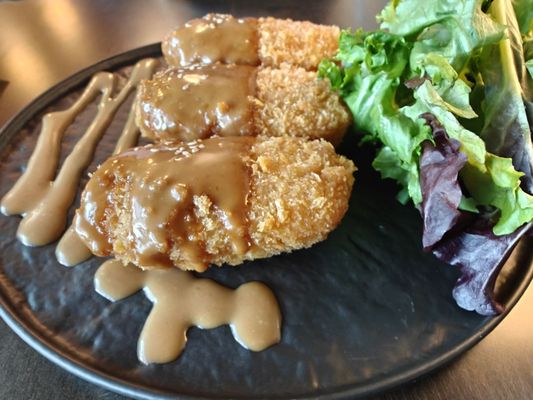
(363, 311)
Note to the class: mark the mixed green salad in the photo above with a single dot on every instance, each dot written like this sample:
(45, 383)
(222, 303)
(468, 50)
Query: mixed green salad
(444, 91)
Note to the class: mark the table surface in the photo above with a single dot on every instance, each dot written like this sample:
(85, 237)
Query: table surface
(43, 42)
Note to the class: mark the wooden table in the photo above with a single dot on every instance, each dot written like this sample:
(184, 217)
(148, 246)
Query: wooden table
(43, 42)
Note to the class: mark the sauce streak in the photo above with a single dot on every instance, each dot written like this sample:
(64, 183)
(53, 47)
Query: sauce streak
(181, 301)
(195, 103)
(156, 186)
(213, 38)
(71, 250)
(42, 202)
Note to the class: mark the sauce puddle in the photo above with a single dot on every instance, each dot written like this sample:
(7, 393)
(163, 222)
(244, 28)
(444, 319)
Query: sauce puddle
(181, 301)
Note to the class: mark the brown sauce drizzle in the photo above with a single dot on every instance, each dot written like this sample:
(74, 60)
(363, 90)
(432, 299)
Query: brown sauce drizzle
(181, 301)
(213, 38)
(221, 95)
(163, 182)
(44, 202)
(71, 250)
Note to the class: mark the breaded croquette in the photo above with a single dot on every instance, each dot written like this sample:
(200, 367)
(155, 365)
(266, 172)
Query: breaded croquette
(214, 201)
(232, 100)
(264, 41)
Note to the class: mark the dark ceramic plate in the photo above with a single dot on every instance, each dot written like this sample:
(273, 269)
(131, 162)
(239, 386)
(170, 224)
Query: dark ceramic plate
(363, 311)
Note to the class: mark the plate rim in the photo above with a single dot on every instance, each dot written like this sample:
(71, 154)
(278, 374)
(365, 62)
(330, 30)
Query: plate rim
(77, 367)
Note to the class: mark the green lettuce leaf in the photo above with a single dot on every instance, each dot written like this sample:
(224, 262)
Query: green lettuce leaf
(490, 180)
(506, 129)
(369, 82)
(524, 14)
(528, 55)
(454, 28)
(454, 92)
(466, 67)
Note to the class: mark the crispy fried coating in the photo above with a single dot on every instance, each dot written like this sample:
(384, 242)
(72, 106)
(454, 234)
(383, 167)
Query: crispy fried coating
(293, 102)
(300, 43)
(288, 101)
(298, 192)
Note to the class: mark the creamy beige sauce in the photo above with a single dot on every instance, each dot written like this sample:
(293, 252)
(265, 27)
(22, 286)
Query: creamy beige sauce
(157, 186)
(71, 250)
(213, 38)
(182, 301)
(196, 103)
(44, 202)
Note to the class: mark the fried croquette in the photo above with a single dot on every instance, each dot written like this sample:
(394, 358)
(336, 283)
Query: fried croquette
(264, 41)
(215, 201)
(230, 100)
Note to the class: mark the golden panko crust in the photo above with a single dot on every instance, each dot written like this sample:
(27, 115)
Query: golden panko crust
(299, 193)
(293, 102)
(299, 43)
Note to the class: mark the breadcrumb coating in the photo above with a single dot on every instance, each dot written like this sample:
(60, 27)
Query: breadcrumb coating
(299, 43)
(298, 193)
(293, 102)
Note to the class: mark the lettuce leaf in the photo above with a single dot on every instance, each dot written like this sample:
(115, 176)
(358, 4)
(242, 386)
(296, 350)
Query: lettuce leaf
(373, 65)
(369, 80)
(479, 254)
(454, 28)
(440, 164)
(489, 179)
(529, 65)
(524, 15)
(461, 239)
(506, 130)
